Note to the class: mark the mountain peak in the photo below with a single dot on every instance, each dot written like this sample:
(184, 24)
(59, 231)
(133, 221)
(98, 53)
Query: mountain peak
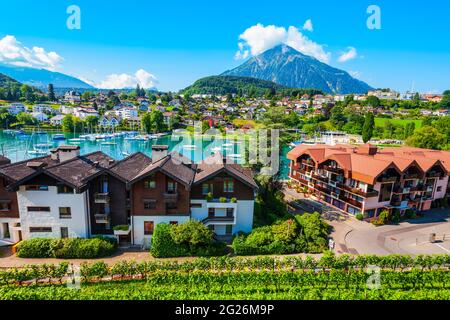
(286, 66)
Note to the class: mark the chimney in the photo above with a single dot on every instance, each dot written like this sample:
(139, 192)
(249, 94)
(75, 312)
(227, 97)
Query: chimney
(159, 152)
(367, 149)
(64, 153)
(36, 164)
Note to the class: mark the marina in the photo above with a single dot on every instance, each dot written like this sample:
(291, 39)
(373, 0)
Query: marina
(18, 145)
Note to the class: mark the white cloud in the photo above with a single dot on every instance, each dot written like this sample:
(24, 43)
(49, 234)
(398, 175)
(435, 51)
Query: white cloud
(124, 80)
(14, 53)
(302, 43)
(349, 55)
(260, 38)
(308, 26)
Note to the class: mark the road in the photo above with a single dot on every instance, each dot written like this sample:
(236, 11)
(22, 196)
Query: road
(410, 237)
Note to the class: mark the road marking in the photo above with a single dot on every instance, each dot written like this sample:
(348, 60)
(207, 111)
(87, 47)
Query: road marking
(445, 249)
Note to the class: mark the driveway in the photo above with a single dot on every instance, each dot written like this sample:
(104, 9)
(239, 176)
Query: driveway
(410, 237)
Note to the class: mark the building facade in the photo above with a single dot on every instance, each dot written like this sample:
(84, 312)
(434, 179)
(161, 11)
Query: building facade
(368, 180)
(69, 195)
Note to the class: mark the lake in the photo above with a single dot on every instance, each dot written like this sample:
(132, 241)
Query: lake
(18, 147)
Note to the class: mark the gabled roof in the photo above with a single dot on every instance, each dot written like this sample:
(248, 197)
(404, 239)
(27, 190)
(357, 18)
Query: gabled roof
(367, 166)
(131, 166)
(19, 170)
(173, 165)
(73, 172)
(77, 170)
(215, 164)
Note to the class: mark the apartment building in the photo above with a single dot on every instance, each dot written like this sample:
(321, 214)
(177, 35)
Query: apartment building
(368, 180)
(9, 212)
(67, 194)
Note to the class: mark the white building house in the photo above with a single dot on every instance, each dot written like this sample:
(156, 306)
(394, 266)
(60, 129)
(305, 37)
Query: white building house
(72, 96)
(85, 112)
(66, 109)
(16, 108)
(126, 113)
(39, 116)
(43, 108)
(57, 120)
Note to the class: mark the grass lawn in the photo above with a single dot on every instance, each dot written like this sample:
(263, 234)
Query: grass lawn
(380, 122)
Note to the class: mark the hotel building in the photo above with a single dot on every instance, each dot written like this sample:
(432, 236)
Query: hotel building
(368, 180)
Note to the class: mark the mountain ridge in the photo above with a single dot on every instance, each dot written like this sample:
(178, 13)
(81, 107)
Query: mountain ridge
(40, 78)
(286, 66)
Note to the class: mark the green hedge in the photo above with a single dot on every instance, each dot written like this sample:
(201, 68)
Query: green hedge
(304, 234)
(187, 239)
(70, 248)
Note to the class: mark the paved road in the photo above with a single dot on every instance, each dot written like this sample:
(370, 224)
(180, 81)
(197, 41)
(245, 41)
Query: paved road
(411, 237)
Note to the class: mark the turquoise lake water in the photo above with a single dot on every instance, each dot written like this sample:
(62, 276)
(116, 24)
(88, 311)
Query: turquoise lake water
(20, 147)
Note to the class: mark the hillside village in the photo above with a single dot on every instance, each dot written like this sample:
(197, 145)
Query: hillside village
(126, 110)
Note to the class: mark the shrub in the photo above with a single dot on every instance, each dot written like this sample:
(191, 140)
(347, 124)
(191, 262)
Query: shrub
(69, 248)
(192, 238)
(233, 200)
(222, 199)
(35, 248)
(209, 197)
(77, 248)
(191, 233)
(163, 245)
(360, 216)
(305, 233)
(122, 227)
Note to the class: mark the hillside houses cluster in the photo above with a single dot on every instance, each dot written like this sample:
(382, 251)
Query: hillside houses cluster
(218, 110)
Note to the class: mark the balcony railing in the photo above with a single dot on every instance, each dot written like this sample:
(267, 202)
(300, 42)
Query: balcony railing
(320, 178)
(170, 196)
(433, 174)
(387, 179)
(333, 169)
(218, 219)
(101, 197)
(351, 201)
(308, 163)
(412, 176)
(102, 218)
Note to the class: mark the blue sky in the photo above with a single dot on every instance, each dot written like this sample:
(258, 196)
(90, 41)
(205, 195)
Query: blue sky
(180, 41)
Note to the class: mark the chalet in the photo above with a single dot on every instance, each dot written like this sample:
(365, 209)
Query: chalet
(69, 195)
(9, 211)
(109, 121)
